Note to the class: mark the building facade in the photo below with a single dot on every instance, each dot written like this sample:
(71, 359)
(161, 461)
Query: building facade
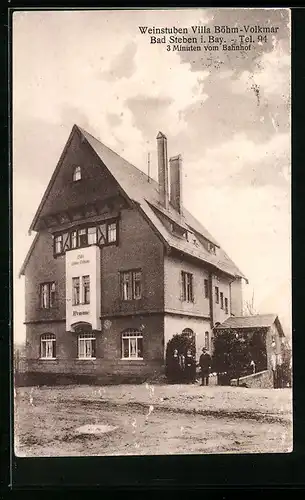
(118, 266)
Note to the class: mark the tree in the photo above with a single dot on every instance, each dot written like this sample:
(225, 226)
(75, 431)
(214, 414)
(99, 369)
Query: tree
(182, 342)
(232, 354)
(249, 307)
(286, 365)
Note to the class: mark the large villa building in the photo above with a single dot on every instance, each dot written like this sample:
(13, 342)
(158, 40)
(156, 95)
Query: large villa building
(118, 266)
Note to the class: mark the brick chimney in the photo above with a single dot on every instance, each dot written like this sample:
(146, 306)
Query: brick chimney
(163, 169)
(176, 182)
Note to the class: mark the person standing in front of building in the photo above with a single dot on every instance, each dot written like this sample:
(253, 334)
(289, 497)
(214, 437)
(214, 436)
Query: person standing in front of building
(205, 363)
(190, 368)
(252, 366)
(174, 372)
(182, 367)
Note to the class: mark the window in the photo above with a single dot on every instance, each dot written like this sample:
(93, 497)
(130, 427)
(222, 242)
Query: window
(132, 344)
(86, 346)
(226, 306)
(178, 230)
(48, 346)
(112, 232)
(187, 286)
(91, 235)
(86, 289)
(47, 295)
(77, 174)
(73, 239)
(207, 340)
(131, 285)
(217, 294)
(136, 282)
(66, 241)
(58, 244)
(212, 248)
(101, 234)
(189, 333)
(52, 294)
(206, 289)
(126, 286)
(82, 237)
(75, 291)
(221, 300)
(44, 296)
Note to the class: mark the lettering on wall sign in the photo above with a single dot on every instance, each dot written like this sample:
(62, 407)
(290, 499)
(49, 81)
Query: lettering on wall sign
(80, 313)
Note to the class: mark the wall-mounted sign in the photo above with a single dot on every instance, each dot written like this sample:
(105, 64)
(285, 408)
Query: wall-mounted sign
(80, 260)
(80, 313)
(83, 286)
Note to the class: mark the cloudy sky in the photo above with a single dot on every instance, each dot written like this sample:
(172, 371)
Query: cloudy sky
(227, 113)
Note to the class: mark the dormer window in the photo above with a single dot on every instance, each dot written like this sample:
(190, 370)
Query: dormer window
(178, 230)
(77, 174)
(212, 248)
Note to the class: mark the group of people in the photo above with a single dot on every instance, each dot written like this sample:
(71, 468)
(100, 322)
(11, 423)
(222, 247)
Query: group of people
(182, 368)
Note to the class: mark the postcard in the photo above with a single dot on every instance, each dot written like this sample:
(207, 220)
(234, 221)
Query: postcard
(152, 232)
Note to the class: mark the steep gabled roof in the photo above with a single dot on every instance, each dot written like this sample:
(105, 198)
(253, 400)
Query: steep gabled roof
(256, 321)
(28, 255)
(134, 183)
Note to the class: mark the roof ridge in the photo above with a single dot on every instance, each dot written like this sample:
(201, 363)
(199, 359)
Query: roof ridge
(253, 315)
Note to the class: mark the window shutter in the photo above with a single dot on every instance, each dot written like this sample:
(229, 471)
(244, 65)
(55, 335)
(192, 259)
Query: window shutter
(192, 288)
(181, 286)
(94, 348)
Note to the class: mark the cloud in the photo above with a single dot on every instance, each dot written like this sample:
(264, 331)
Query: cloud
(242, 162)
(79, 94)
(271, 74)
(122, 65)
(114, 120)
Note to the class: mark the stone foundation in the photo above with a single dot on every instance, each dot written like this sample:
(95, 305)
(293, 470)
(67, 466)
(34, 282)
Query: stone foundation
(95, 372)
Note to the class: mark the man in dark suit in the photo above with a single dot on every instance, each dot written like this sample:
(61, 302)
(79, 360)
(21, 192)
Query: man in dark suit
(205, 363)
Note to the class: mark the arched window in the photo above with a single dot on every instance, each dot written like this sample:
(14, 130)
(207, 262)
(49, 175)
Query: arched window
(86, 346)
(77, 174)
(189, 332)
(132, 344)
(48, 346)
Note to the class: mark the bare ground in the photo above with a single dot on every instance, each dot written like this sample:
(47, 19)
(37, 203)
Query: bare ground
(152, 420)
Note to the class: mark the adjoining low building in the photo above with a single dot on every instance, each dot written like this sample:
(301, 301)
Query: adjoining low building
(265, 340)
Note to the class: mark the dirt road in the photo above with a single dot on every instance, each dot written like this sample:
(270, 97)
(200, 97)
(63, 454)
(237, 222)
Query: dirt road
(46, 426)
